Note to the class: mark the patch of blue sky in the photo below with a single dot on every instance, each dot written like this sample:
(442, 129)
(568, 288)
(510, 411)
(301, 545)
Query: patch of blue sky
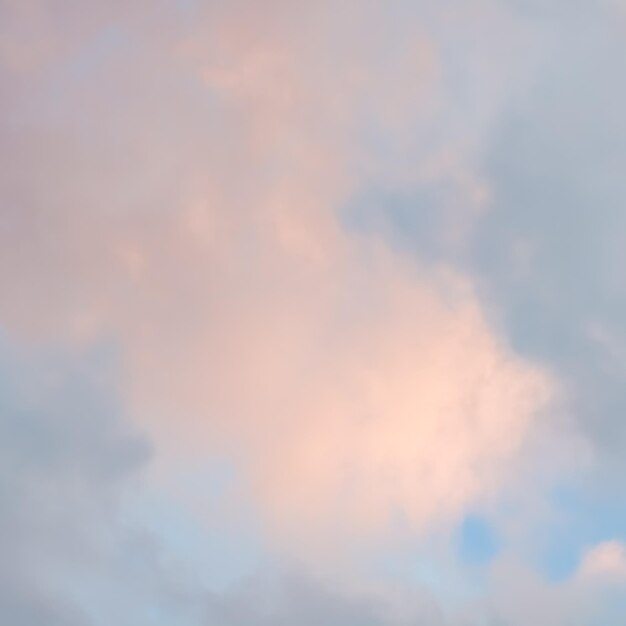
(584, 518)
(477, 541)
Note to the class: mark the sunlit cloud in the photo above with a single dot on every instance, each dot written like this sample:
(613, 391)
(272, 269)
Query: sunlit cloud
(366, 257)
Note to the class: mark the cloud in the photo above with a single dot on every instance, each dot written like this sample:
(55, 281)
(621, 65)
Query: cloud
(196, 220)
(294, 597)
(205, 187)
(516, 594)
(592, 595)
(554, 165)
(606, 559)
(69, 465)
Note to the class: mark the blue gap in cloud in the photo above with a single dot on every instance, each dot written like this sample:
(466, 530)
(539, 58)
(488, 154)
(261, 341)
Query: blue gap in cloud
(585, 520)
(477, 541)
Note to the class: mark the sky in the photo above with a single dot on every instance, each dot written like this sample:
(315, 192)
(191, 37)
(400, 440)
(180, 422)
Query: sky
(312, 313)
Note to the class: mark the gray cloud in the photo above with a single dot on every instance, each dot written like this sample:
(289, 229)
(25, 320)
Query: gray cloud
(548, 252)
(66, 458)
(551, 250)
(297, 598)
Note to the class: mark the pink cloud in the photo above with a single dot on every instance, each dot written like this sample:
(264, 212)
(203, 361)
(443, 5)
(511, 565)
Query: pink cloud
(195, 219)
